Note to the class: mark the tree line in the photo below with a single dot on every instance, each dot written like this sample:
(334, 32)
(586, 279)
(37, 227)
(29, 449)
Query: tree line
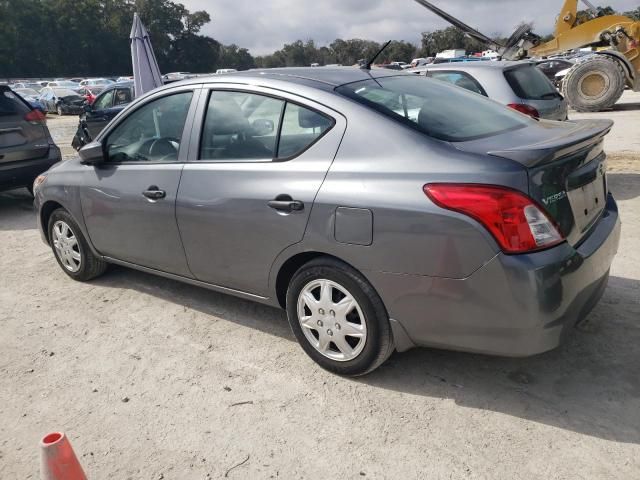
(91, 37)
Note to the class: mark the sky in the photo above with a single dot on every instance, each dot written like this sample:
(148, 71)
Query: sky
(264, 26)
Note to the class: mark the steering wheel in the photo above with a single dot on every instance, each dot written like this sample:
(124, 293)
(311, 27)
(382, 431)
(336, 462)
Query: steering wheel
(164, 147)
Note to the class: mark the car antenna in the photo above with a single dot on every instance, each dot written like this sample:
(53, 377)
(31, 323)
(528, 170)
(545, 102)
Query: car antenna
(367, 66)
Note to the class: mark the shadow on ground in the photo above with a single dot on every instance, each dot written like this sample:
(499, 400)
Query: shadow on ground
(589, 385)
(624, 186)
(16, 210)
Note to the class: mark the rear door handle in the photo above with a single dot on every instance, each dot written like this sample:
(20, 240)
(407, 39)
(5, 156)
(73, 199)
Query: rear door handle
(154, 193)
(284, 203)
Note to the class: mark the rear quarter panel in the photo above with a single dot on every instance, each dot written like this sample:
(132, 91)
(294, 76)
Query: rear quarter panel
(382, 166)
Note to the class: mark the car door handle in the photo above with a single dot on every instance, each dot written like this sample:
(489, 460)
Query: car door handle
(154, 193)
(284, 203)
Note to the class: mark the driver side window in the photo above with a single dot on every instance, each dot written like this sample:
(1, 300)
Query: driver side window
(152, 133)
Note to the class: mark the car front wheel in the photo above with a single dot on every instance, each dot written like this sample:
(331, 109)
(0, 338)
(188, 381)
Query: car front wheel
(59, 110)
(71, 249)
(338, 318)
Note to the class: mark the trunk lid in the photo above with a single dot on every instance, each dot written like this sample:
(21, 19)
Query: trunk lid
(566, 166)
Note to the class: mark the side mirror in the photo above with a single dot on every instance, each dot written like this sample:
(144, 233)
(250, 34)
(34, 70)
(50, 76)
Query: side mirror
(92, 154)
(262, 127)
(86, 107)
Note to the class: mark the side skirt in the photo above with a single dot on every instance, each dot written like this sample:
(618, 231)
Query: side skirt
(197, 283)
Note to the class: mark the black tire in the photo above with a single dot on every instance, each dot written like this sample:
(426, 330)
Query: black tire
(378, 344)
(594, 84)
(91, 266)
(59, 111)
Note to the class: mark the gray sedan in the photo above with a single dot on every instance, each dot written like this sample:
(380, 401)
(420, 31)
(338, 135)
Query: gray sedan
(382, 210)
(520, 85)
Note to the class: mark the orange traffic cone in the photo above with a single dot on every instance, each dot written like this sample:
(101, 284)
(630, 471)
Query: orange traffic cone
(57, 460)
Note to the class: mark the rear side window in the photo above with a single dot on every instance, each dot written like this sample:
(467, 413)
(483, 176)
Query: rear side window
(459, 79)
(242, 126)
(301, 127)
(529, 83)
(435, 108)
(10, 104)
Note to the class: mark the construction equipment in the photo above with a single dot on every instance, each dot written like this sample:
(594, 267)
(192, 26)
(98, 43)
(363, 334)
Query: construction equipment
(596, 81)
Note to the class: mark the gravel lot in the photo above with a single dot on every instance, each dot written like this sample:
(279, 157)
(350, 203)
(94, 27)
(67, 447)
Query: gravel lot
(153, 379)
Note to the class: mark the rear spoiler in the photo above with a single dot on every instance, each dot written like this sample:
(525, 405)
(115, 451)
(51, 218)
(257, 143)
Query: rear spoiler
(585, 134)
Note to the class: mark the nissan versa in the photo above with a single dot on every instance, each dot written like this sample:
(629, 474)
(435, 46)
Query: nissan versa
(382, 210)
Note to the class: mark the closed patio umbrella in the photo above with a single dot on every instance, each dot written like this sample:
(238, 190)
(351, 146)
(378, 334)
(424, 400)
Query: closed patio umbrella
(146, 74)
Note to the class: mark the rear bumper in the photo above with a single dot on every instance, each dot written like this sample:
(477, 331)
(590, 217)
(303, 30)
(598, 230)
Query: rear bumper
(515, 305)
(23, 172)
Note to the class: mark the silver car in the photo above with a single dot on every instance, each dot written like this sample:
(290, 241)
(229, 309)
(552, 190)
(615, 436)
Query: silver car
(520, 85)
(382, 210)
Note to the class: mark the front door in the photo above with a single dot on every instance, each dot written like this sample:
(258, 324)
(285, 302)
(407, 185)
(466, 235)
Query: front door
(129, 201)
(249, 189)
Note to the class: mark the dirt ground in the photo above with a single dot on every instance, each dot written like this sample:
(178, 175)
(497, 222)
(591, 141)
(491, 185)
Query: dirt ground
(153, 379)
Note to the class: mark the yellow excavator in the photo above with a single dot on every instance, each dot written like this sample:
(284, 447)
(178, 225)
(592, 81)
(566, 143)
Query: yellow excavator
(596, 81)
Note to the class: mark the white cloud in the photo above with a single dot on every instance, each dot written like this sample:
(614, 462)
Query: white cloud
(264, 26)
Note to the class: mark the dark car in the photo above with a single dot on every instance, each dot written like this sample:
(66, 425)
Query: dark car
(551, 66)
(61, 100)
(98, 114)
(26, 147)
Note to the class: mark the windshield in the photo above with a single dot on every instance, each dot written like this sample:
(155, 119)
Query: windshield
(440, 110)
(529, 83)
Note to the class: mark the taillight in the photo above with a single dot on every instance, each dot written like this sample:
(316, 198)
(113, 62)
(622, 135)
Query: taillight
(516, 222)
(35, 116)
(526, 109)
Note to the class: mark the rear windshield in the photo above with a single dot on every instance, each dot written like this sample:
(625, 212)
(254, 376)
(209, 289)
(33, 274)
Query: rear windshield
(10, 104)
(529, 83)
(435, 108)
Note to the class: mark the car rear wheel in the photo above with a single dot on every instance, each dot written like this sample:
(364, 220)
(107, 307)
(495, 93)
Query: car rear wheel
(71, 249)
(338, 318)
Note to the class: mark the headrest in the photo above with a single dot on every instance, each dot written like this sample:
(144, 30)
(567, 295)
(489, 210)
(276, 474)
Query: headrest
(225, 118)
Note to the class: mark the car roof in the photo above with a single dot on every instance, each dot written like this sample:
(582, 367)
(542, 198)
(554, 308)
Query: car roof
(487, 65)
(326, 78)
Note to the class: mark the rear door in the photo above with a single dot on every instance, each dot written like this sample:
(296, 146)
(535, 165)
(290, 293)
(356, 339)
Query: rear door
(20, 139)
(248, 188)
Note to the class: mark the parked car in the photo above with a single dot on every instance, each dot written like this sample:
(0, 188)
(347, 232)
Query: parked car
(124, 79)
(32, 97)
(176, 76)
(94, 82)
(519, 85)
(438, 60)
(551, 66)
(225, 70)
(89, 93)
(476, 228)
(26, 147)
(63, 83)
(33, 85)
(62, 101)
(104, 108)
